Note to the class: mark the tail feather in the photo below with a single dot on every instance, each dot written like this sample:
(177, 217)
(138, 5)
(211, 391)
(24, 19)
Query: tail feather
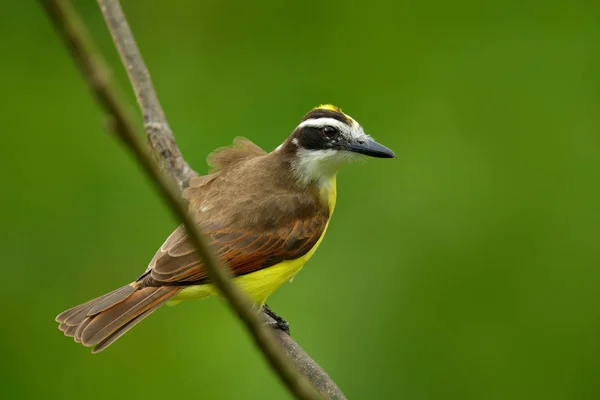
(123, 329)
(111, 299)
(76, 315)
(101, 321)
(106, 323)
(63, 326)
(70, 330)
(80, 328)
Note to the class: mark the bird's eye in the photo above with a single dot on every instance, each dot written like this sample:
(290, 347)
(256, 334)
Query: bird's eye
(329, 131)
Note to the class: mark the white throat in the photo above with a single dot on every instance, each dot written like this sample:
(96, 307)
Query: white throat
(319, 166)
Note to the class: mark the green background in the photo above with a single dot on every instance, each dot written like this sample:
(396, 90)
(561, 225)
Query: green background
(468, 268)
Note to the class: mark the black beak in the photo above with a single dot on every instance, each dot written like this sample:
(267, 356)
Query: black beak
(371, 148)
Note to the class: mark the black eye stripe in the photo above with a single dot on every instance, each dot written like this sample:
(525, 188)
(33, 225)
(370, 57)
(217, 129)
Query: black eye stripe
(310, 138)
(315, 138)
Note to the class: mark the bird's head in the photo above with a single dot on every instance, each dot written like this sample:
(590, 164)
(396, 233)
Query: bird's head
(326, 140)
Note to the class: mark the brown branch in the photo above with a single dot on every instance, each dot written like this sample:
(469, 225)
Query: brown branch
(155, 122)
(94, 70)
(309, 368)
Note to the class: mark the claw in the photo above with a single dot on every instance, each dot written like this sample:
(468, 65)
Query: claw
(278, 323)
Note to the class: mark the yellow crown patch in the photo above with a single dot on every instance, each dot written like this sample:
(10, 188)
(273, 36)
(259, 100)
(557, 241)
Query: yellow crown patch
(329, 107)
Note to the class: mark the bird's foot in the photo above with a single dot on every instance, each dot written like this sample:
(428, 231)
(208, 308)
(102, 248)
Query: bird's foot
(278, 323)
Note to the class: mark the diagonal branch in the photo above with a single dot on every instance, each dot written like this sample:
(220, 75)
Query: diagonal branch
(155, 122)
(95, 72)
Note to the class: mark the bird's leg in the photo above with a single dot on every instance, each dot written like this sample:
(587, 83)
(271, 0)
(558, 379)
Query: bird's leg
(279, 322)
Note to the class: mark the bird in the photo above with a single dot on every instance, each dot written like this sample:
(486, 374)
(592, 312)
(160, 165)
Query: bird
(263, 214)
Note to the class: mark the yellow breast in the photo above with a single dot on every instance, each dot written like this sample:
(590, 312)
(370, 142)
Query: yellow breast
(261, 284)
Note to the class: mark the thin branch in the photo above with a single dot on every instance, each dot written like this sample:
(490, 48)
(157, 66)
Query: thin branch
(309, 368)
(155, 122)
(96, 74)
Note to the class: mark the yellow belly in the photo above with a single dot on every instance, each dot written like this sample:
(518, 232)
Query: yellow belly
(261, 284)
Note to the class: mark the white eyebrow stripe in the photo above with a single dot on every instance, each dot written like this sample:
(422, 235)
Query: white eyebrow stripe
(322, 122)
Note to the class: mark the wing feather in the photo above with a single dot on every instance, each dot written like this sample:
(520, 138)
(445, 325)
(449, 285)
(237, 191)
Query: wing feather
(242, 252)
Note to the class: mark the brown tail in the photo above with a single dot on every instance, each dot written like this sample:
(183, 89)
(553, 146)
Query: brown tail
(101, 321)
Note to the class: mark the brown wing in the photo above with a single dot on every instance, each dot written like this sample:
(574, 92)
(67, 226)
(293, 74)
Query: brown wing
(243, 252)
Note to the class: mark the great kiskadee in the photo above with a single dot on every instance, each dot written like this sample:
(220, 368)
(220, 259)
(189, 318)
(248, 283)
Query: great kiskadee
(264, 215)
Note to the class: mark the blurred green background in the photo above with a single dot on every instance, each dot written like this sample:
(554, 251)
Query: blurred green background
(469, 268)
